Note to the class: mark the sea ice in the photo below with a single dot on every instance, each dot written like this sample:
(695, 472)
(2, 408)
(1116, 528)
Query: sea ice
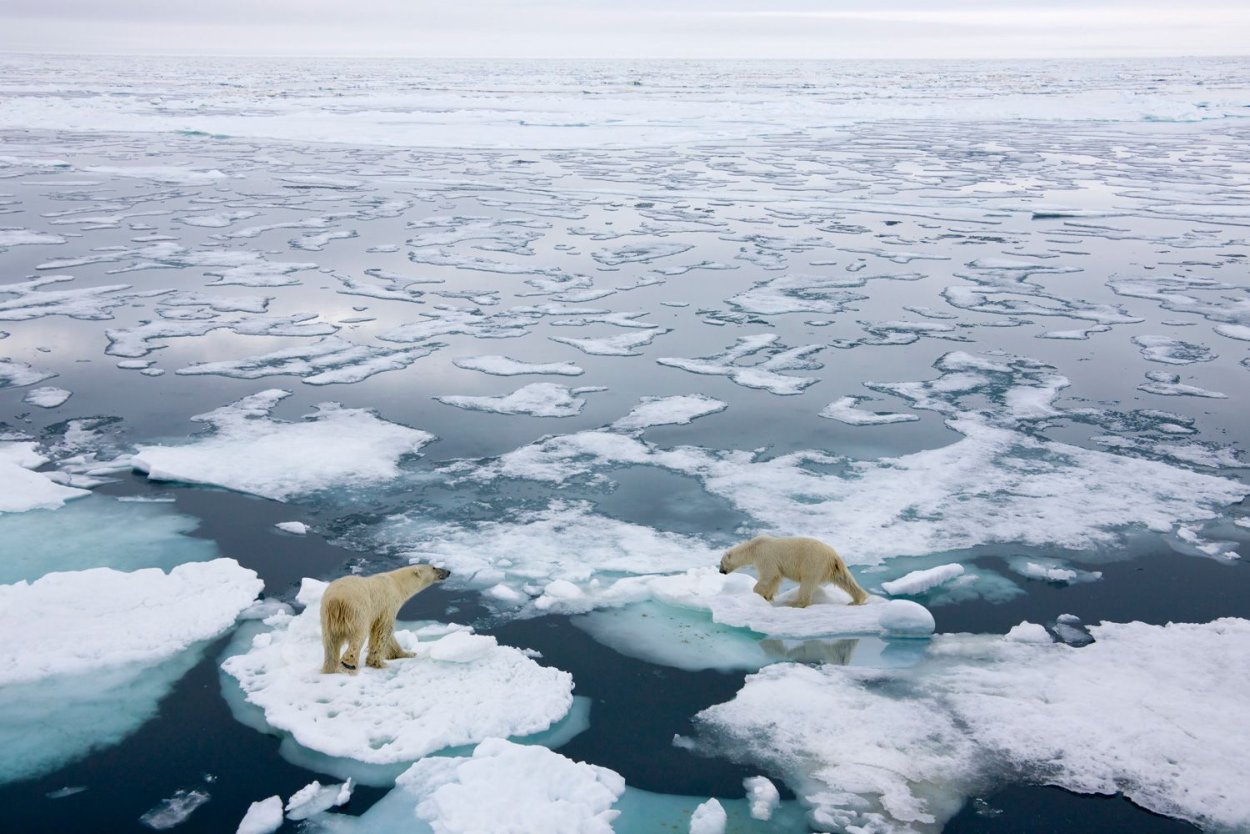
(624, 344)
(505, 366)
(249, 451)
(1172, 351)
(134, 635)
(20, 488)
(708, 818)
(19, 374)
(295, 528)
(46, 397)
(764, 375)
(315, 798)
(1051, 570)
(538, 399)
(262, 817)
(763, 796)
(174, 811)
(669, 411)
(847, 411)
(919, 581)
(414, 707)
(1170, 385)
(1164, 729)
(326, 361)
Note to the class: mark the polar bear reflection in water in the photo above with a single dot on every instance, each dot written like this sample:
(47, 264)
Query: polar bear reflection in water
(809, 562)
(356, 608)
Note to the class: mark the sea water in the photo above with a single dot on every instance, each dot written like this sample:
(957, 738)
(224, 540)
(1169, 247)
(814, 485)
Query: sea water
(570, 330)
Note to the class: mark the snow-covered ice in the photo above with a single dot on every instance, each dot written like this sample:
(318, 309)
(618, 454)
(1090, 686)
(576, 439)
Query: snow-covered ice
(46, 397)
(414, 707)
(22, 489)
(538, 399)
(263, 817)
(250, 451)
(1149, 711)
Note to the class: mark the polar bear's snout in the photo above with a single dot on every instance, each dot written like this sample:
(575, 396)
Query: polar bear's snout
(442, 573)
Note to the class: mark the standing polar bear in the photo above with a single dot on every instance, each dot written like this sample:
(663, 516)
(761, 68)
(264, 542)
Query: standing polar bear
(354, 608)
(808, 562)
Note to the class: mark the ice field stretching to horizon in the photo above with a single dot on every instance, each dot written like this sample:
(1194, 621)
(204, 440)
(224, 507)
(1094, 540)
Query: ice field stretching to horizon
(571, 329)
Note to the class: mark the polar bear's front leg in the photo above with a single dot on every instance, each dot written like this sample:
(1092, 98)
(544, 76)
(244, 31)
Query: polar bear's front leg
(768, 585)
(394, 651)
(381, 632)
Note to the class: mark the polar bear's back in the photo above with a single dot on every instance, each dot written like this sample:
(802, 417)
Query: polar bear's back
(796, 557)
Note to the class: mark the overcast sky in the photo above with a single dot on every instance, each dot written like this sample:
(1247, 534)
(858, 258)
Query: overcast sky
(634, 29)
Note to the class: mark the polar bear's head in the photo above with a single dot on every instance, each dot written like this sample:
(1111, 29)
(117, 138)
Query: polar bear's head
(735, 557)
(418, 577)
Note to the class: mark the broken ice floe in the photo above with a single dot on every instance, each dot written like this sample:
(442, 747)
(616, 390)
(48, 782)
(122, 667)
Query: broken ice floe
(669, 411)
(315, 798)
(249, 451)
(46, 397)
(708, 818)
(459, 689)
(624, 344)
(765, 375)
(22, 489)
(1170, 385)
(846, 410)
(920, 581)
(1051, 570)
(295, 528)
(505, 366)
(19, 374)
(263, 817)
(138, 341)
(326, 361)
(539, 399)
(1164, 729)
(1172, 351)
(174, 811)
(537, 792)
(134, 636)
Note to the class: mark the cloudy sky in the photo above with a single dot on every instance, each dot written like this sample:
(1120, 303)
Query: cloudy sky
(635, 29)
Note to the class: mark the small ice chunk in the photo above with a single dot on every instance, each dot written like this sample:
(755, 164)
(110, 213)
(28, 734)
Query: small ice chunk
(535, 790)
(763, 796)
(315, 798)
(1172, 351)
(174, 811)
(296, 528)
(919, 581)
(46, 397)
(1027, 632)
(708, 818)
(262, 817)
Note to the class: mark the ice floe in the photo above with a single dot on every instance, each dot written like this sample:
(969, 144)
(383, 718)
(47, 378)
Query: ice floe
(919, 581)
(1172, 351)
(624, 344)
(709, 818)
(669, 411)
(18, 374)
(174, 811)
(249, 451)
(846, 410)
(22, 489)
(446, 696)
(326, 361)
(46, 397)
(1163, 730)
(135, 634)
(539, 399)
(263, 817)
(1170, 385)
(766, 375)
(506, 366)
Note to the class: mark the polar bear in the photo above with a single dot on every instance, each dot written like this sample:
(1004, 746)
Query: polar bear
(806, 561)
(354, 608)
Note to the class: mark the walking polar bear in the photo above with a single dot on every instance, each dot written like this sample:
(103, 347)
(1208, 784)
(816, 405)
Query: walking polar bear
(806, 561)
(356, 608)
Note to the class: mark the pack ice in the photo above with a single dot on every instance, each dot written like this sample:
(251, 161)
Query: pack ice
(1153, 712)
